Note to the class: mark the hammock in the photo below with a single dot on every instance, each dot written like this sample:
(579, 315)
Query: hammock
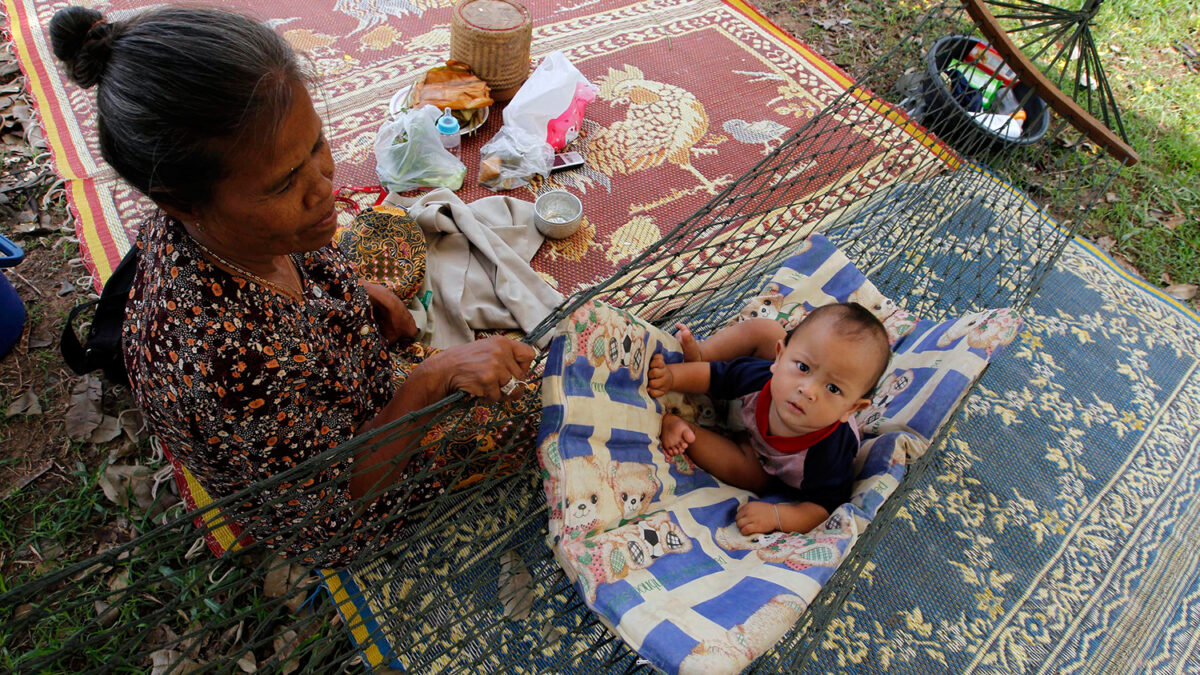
(944, 222)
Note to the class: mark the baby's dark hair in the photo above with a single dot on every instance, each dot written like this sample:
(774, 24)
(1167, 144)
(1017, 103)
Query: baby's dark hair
(854, 322)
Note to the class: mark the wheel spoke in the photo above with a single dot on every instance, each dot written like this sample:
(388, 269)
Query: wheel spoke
(1029, 4)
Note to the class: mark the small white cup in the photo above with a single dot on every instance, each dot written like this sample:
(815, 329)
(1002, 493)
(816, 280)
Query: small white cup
(557, 214)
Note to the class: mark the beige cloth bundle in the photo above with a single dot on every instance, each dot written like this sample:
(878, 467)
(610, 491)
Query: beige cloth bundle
(478, 266)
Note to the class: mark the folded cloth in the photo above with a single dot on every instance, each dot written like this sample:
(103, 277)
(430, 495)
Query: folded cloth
(478, 266)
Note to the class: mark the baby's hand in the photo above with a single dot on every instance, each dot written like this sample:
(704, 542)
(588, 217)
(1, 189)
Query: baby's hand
(757, 518)
(658, 379)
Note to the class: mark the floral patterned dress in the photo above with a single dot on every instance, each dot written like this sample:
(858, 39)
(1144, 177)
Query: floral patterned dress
(242, 383)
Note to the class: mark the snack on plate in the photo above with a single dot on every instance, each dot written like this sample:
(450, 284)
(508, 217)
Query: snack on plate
(453, 86)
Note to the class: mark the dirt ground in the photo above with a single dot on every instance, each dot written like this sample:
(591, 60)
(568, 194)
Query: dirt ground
(39, 464)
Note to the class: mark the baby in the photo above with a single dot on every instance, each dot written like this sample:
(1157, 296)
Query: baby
(799, 392)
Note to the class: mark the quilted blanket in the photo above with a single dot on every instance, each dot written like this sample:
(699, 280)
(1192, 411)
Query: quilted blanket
(650, 541)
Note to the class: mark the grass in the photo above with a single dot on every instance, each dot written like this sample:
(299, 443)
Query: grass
(1151, 216)
(1155, 220)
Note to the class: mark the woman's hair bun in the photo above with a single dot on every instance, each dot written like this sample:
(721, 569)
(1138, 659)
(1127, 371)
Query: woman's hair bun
(82, 40)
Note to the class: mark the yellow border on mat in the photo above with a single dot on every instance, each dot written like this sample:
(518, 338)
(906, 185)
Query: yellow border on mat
(874, 103)
(215, 523)
(1138, 281)
(91, 235)
(358, 627)
(752, 13)
(44, 107)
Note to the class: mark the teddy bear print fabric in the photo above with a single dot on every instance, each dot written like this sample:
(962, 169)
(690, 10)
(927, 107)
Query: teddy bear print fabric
(650, 542)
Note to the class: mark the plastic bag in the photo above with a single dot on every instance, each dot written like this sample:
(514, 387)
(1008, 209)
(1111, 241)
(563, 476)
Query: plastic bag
(512, 157)
(565, 128)
(555, 93)
(409, 153)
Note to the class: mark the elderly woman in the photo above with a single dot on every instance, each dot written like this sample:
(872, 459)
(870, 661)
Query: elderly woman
(250, 342)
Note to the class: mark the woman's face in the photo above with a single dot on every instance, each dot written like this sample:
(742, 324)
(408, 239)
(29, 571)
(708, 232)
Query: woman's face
(278, 195)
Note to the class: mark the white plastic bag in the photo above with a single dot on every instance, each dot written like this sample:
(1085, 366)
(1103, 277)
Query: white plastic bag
(409, 153)
(520, 149)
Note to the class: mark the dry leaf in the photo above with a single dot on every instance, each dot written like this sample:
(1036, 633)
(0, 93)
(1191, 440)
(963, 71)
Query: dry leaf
(27, 479)
(1169, 220)
(132, 423)
(1111, 197)
(231, 636)
(83, 409)
(1106, 243)
(26, 404)
(300, 581)
(49, 550)
(30, 229)
(118, 481)
(552, 634)
(275, 583)
(247, 664)
(1125, 262)
(1182, 291)
(105, 613)
(170, 661)
(832, 24)
(285, 644)
(193, 639)
(66, 288)
(108, 429)
(516, 586)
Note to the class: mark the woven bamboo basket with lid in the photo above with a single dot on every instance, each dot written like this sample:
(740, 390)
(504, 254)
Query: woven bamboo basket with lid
(493, 36)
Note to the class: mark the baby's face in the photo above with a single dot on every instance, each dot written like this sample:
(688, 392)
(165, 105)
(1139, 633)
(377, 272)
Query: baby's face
(819, 378)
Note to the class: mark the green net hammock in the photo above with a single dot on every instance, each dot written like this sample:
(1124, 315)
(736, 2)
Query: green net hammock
(943, 221)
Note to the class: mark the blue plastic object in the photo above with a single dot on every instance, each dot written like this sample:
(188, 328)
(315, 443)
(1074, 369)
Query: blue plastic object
(12, 309)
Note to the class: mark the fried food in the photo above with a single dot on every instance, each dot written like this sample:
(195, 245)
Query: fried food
(452, 86)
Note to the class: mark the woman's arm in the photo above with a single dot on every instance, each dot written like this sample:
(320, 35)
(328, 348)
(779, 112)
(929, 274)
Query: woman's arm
(479, 368)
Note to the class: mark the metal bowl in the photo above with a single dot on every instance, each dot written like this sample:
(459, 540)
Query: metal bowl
(557, 214)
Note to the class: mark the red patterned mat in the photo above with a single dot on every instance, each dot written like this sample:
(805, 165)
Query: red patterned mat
(692, 94)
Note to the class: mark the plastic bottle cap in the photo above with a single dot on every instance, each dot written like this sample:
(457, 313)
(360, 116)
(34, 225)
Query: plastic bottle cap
(447, 124)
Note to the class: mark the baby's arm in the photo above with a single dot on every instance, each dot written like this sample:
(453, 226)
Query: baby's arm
(761, 517)
(754, 337)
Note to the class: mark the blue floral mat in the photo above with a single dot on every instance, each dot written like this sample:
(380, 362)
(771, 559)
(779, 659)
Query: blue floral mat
(1058, 529)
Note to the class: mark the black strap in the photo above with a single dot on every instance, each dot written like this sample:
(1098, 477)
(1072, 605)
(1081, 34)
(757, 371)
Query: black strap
(101, 347)
(72, 351)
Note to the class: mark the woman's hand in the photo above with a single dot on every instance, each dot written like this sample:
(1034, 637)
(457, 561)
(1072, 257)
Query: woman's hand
(392, 317)
(483, 367)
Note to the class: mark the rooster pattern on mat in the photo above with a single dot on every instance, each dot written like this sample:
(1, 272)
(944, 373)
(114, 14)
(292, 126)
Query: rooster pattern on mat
(371, 13)
(762, 131)
(663, 123)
